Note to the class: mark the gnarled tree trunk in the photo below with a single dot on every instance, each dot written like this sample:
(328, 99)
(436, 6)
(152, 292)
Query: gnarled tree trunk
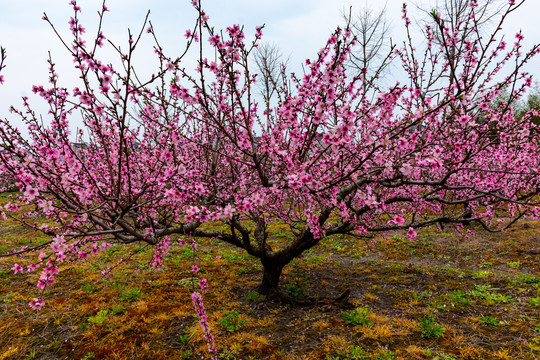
(271, 275)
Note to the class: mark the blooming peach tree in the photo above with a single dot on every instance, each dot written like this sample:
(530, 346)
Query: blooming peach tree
(158, 157)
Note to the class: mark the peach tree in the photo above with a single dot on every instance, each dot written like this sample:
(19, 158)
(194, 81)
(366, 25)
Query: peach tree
(154, 158)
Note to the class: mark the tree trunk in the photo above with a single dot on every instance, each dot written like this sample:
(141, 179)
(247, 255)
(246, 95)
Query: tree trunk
(270, 280)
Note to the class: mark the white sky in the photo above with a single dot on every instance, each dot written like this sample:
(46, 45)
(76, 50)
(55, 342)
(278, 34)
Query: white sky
(299, 27)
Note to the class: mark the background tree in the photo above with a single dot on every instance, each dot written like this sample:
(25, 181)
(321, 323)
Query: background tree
(531, 103)
(458, 23)
(371, 53)
(327, 161)
(455, 13)
(271, 70)
(2, 65)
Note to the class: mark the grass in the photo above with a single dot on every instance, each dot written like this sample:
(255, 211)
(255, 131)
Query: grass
(440, 297)
(131, 294)
(429, 328)
(232, 322)
(358, 317)
(488, 320)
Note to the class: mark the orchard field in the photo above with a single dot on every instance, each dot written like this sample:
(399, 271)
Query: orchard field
(440, 296)
(196, 214)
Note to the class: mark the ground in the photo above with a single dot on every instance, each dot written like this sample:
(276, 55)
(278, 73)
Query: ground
(440, 296)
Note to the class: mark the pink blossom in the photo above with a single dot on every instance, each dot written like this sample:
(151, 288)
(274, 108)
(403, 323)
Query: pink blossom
(32, 267)
(192, 210)
(198, 304)
(36, 303)
(17, 268)
(412, 234)
(85, 99)
(228, 212)
(203, 284)
(170, 193)
(41, 284)
(31, 193)
(361, 230)
(51, 270)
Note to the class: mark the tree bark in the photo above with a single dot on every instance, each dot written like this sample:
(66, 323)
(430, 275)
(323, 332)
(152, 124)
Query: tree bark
(271, 275)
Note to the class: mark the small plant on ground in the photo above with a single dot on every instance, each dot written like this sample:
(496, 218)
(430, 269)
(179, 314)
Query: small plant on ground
(118, 309)
(89, 356)
(429, 328)
(459, 297)
(187, 253)
(356, 353)
(444, 356)
(352, 353)
(358, 317)
(481, 274)
(314, 259)
(8, 297)
(495, 298)
(297, 286)
(536, 300)
(131, 294)
(186, 337)
(416, 296)
(100, 317)
(229, 354)
(427, 353)
(89, 288)
(529, 279)
(189, 282)
(185, 354)
(488, 320)
(118, 286)
(296, 289)
(254, 296)
(485, 293)
(232, 322)
(385, 354)
(243, 270)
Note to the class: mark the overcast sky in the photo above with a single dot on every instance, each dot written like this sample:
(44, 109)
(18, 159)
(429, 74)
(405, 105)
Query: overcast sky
(299, 27)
